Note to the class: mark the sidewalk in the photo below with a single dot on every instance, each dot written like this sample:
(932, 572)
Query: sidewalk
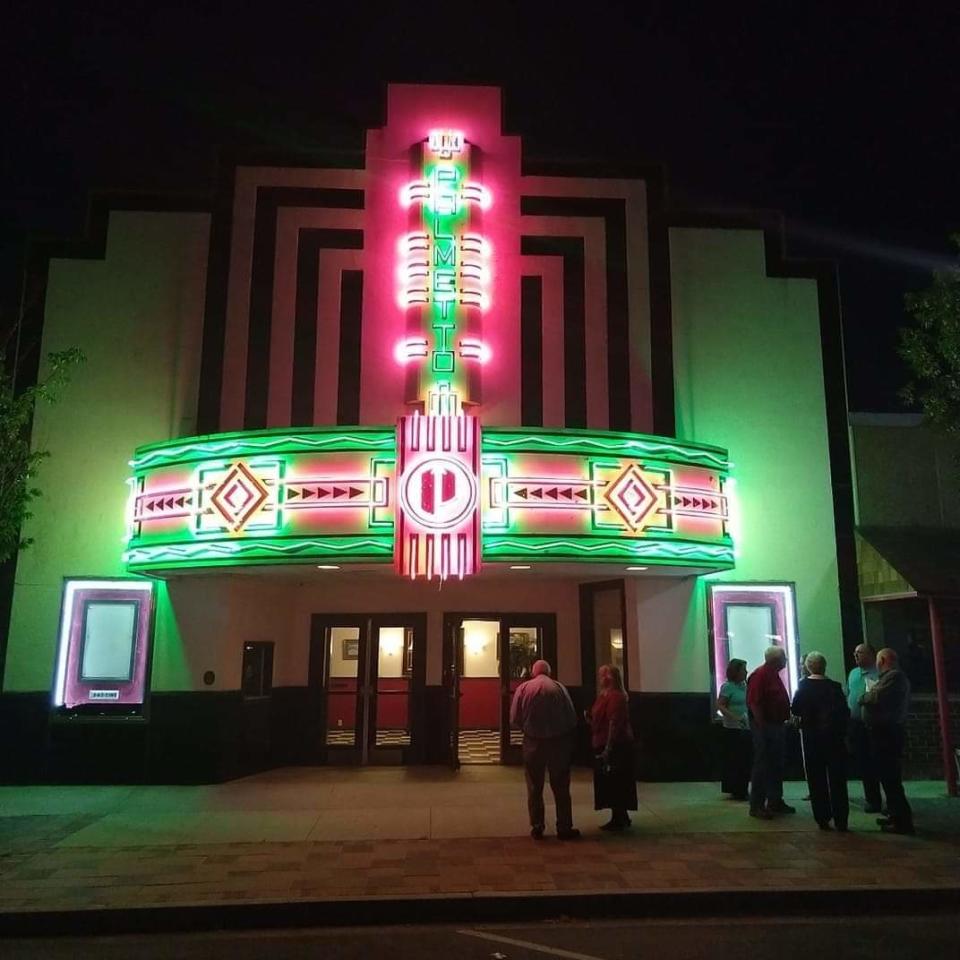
(322, 834)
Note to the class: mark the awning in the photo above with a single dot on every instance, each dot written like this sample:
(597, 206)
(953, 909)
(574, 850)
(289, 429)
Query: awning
(907, 561)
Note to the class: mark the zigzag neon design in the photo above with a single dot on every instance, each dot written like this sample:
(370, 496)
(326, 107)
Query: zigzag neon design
(384, 442)
(617, 546)
(607, 446)
(213, 549)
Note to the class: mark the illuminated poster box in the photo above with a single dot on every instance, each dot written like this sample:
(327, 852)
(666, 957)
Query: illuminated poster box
(104, 643)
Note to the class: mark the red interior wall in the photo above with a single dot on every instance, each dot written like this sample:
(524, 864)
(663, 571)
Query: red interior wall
(479, 703)
(341, 703)
(393, 710)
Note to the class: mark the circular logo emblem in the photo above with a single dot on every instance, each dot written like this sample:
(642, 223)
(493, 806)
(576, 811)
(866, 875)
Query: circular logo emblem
(438, 493)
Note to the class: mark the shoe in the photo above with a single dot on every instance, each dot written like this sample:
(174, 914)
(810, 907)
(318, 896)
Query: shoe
(825, 826)
(898, 828)
(842, 829)
(872, 808)
(617, 826)
(572, 834)
(761, 814)
(884, 821)
(536, 833)
(782, 807)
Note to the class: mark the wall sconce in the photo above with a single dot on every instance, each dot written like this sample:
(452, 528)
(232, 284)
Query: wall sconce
(391, 641)
(616, 639)
(475, 644)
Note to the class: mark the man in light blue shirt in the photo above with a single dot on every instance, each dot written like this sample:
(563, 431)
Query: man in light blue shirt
(864, 673)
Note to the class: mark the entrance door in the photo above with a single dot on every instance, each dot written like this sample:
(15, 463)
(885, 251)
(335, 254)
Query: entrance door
(370, 671)
(488, 657)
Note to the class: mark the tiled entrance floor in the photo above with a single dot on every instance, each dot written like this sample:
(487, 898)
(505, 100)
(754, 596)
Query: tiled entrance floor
(479, 746)
(331, 833)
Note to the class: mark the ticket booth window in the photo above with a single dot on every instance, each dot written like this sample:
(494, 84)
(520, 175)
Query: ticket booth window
(104, 644)
(745, 619)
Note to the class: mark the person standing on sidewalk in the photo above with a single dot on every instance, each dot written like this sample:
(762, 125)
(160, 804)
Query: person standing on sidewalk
(864, 674)
(737, 753)
(614, 779)
(543, 710)
(769, 707)
(820, 706)
(885, 707)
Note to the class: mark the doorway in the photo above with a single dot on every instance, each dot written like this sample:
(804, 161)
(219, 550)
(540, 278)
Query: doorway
(367, 675)
(487, 656)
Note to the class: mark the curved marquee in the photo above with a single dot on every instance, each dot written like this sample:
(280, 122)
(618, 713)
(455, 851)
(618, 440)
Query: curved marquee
(329, 495)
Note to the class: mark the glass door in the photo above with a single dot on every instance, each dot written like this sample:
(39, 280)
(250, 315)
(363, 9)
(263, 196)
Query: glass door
(526, 640)
(479, 685)
(487, 657)
(346, 658)
(391, 687)
(371, 672)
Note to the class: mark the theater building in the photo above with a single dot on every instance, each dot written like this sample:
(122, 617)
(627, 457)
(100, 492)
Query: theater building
(355, 443)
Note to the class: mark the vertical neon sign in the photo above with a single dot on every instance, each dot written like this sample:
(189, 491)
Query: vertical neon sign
(443, 275)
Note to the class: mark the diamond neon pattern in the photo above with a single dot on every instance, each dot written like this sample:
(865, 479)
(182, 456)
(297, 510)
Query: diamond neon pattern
(631, 496)
(239, 496)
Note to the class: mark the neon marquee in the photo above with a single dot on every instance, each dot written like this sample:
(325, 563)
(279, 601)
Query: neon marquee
(454, 495)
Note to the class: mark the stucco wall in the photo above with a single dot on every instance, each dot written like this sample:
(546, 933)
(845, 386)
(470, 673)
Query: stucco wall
(137, 316)
(749, 376)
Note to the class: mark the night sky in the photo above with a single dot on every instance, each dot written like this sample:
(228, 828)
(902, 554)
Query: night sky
(847, 122)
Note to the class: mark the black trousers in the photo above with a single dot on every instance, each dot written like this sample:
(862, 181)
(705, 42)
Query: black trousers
(548, 757)
(886, 747)
(863, 760)
(736, 759)
(766, 778)
(825, 760)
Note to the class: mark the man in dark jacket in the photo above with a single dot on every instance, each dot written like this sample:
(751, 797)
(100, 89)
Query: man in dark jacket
(822, 710)
(885, 707)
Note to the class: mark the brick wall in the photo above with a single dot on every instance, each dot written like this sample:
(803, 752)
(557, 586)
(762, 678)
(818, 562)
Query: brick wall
(922, 760)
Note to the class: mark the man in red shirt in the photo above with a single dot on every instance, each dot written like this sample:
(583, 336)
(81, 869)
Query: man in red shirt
(769, 707)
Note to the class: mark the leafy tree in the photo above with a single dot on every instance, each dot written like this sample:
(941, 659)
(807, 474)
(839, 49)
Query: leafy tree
(931, 348)
(18, 462)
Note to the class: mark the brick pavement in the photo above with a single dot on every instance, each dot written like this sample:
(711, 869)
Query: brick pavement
(58, 860)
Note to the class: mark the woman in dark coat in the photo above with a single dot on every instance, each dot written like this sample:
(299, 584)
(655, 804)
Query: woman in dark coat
(821, 707)
(614, 782)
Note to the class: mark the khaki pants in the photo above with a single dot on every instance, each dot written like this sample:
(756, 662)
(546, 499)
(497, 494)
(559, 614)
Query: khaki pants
(542, 757)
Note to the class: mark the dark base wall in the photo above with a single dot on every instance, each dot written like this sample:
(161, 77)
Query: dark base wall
(204, 737)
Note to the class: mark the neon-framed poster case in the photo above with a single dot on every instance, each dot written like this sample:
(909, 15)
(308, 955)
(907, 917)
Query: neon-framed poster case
(104, 645)
(745, 619)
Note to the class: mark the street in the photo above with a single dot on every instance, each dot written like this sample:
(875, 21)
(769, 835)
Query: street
(929, 937)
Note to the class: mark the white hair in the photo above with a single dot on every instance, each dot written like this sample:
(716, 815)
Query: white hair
(773, 653)
(816, 662)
